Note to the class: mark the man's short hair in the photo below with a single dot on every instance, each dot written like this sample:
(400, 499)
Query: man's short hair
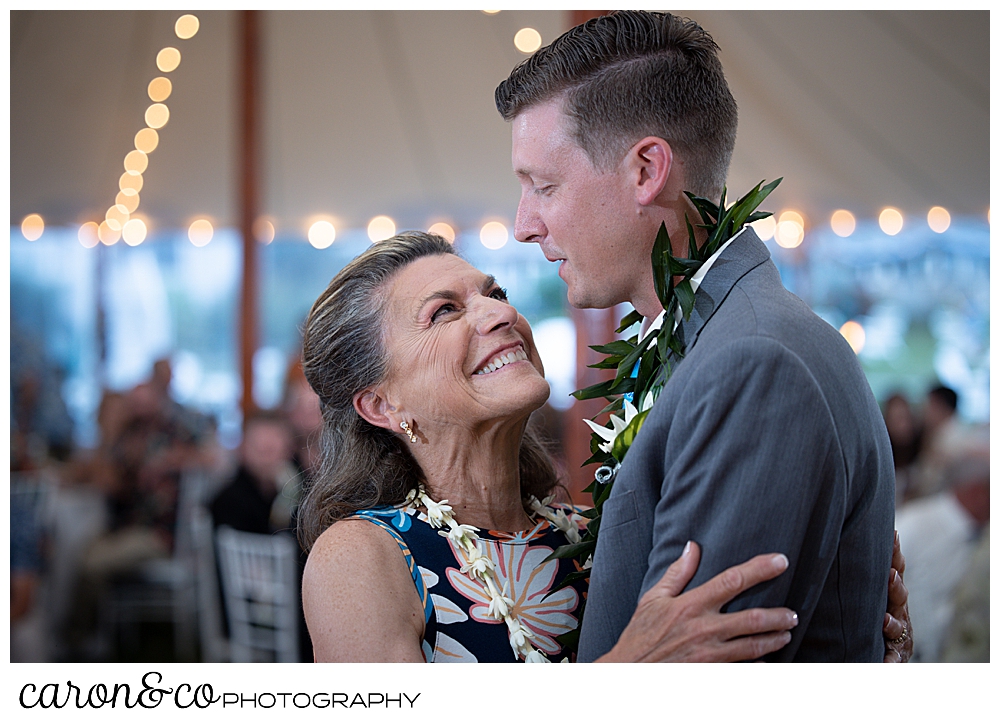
(629, 75)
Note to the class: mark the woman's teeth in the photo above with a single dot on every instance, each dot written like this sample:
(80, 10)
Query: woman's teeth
(504, 359)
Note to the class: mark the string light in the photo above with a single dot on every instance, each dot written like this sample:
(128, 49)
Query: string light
(159, 89)
(168, 59)
(186, 27)
(527, 40)
(443, 230)
(136, 162)
(200, 232)
(131, 181)
(842, 222)
(157, 115)
(380, 228)
(116, 217)
(855, 335)
(764, 228)
(938, 219)
(32, 227)
(890, 221)
(322, 234)
(134, 232)
(263, 231)
(790, 230)
(129, 199)
(493, 235)
(147, 140)
(108, 236)
(88, 235)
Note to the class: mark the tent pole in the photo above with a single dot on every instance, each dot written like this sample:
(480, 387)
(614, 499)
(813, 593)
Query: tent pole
(249, 173)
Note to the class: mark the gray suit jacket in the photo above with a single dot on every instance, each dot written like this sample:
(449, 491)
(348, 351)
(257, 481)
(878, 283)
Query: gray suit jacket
(767, 438)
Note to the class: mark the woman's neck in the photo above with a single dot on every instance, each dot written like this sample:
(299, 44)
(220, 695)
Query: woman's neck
(478, 473)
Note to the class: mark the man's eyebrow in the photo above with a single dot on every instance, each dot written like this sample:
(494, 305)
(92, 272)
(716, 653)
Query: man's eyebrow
(485, 287)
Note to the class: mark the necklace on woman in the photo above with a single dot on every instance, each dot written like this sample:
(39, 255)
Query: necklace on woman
(479, 567)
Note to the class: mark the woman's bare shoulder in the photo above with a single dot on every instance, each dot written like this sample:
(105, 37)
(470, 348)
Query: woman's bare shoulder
(359, 599)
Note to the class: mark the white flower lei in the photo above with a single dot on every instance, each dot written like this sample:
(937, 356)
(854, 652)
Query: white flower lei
(479, 567)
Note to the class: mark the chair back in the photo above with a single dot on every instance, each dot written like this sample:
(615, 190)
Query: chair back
(259, 583)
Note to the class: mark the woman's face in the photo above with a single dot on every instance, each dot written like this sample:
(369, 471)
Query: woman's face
(446, 324)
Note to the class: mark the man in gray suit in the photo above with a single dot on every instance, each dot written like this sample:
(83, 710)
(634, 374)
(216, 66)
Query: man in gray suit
(767, 438)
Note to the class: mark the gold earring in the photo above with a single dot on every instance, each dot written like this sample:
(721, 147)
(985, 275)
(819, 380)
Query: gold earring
(409, 432)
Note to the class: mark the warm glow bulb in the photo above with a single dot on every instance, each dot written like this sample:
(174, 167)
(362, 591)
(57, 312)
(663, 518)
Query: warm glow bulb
(263, 231)
(789, 234)
(157, 115)
(855, 335)
(322, 234)
(890, 221)
(136, 162)
(159, 89)
(88, 235)
(129, 199)
(443, 230)
(764, 228)
(117, 216)
(200, 232)
(842, 222)
(938, 219)
(493, 235)
(793, 216)
(147, 140)
(108, 236)
(134, 232)
(491, 12)
(168, 59)
(186, 27)
(32, 227)
(528, 40)
(380, 228)
(131, 181)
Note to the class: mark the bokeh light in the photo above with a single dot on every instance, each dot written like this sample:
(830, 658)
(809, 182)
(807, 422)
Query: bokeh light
(134, 232)
(108, 236)
(168, 59)
(186, 27)
(116, 217)
(131, 181)
(443, 230)
(527, 40)
(380, 228)
(129, 199)
(890, 221)
(322, 234)
(764, 228)
(855, 335)
(136, 162)
(157, 115)
(147, 140)
(263, 230)
(88, 235)
(159, 89)
(200, 232)
(493, 235)
(843, 223)
(32, 227)
(938, 219)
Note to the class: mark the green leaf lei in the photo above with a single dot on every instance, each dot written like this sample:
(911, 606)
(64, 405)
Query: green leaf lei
(643, 367)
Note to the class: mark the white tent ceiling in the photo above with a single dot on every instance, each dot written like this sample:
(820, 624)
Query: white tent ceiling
(392, 112)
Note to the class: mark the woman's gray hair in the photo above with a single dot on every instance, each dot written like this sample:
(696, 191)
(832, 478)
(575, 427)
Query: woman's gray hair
(361, 465)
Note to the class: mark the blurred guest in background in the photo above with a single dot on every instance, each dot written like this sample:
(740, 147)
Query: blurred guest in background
(943, 439)
(904, 437)
(300, 405)
(941, 534)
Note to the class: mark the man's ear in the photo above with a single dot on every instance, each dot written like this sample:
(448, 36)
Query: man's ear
(650, 162)
(374, 408)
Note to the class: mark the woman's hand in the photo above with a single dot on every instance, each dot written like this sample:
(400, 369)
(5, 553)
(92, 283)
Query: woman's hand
(897, 630)
(669, 625)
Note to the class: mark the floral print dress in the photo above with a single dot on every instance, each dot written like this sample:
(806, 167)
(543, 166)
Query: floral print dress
(458, 627)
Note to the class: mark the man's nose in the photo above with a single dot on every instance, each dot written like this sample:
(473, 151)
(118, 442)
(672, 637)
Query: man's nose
(528, 226)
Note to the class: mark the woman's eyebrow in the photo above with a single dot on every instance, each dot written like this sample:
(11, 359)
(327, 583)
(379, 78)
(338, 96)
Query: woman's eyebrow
(484, 288)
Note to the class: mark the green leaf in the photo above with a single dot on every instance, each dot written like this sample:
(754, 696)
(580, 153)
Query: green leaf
(568, 580)
(601, 389)
(685, 296)
(627, 365)
(571, 640)
(661, 267)
(569, 551)
(611, 362)
(589, 513)
(709, 211)
(753, 199)
(692, 240)
(625, 438)
(630, 319)
(619, 347)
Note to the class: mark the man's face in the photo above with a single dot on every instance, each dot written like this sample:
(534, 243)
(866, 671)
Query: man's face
(580, 216)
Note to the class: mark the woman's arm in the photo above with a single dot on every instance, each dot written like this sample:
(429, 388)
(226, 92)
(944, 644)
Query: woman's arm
(671, 626)
(360, 602)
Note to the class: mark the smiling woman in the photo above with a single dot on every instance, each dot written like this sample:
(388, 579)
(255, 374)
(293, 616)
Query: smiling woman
(427, 537)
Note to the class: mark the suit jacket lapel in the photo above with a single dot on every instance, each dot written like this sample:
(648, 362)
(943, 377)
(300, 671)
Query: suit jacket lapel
(744, 254)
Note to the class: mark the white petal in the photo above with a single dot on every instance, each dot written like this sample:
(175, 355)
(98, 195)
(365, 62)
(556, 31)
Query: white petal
(608, 434)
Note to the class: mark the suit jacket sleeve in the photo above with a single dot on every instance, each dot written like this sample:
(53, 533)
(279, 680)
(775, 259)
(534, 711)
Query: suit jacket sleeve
(752, 465)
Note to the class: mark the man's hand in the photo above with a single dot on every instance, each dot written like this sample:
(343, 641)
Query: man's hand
(669, 625)
(897, 629)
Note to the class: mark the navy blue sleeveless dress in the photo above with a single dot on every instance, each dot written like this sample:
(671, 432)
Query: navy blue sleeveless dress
(458, 628)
